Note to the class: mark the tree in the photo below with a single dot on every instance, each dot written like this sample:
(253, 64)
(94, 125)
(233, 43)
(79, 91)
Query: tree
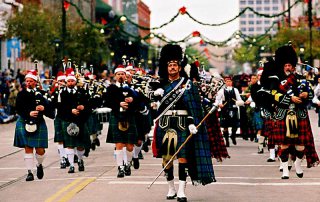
(36, 29)
(39, 29)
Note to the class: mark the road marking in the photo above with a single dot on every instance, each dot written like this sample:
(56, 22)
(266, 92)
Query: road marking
(64, 189)
(222, 183)
(78, 188)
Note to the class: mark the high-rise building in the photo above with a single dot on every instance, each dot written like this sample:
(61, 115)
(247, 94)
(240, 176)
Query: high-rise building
(252, 24)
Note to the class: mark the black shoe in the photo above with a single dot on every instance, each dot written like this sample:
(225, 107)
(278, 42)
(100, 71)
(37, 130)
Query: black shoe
(63, 165)
(260, 151)
(289, 167)
(285, 177)
(86, 153)
(299, 175)
(81, 165)
(30, 176)
(75, 159)
(67, 161)
(127, 170)
(120, 172)
(271, 160)
(97, 142)
(71, 169)
(93, 146)
(171, 197)
(182, 199)
(136, 163)
(40, 172)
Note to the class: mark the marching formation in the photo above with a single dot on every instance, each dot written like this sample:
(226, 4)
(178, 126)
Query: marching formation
(189, 113)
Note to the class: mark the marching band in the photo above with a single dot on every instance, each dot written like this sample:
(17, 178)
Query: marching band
(173, 103)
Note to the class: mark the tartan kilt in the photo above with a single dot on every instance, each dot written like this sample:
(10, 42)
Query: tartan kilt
(58, 136)
(227, 121)
(92, 123)
(257, 120)
(117, 136)
(267, 127)
(217, 146)
(278, 134)
(143, 126)
(38, 139)
(81, 140)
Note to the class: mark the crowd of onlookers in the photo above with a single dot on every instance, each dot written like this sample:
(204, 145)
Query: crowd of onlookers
(9, 88)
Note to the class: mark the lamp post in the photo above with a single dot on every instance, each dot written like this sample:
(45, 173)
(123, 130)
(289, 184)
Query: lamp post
(64, 27)
(310, 29)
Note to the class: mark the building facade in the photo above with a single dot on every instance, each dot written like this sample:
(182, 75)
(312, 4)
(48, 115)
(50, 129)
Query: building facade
(252, 24)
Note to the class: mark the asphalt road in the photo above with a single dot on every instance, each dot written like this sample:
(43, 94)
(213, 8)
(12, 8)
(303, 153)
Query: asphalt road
(246, 176)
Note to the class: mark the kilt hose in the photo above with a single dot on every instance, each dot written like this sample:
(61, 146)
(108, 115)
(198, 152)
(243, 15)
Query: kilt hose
(117, 136)
(217, 146)
(81, 140)
(37, 139)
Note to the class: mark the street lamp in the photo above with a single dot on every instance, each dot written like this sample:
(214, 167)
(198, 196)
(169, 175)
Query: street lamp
(301, 54)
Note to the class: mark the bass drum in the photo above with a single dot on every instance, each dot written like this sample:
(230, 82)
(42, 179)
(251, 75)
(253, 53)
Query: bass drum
(103, 114)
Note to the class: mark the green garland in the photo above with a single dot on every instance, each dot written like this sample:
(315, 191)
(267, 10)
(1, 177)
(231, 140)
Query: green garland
(249, 39)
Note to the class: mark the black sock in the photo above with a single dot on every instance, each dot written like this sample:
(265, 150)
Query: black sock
(183, 171)
(169, 173)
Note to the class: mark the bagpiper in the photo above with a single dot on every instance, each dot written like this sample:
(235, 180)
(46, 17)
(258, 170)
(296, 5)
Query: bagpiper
(31, 131)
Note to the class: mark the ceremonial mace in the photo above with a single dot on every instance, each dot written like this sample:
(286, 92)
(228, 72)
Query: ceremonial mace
(214, 107)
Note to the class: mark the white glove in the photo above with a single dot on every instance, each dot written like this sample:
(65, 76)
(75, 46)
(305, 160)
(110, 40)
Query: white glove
(253, 105)
(193, 129)
(159, 92)
(240, 103)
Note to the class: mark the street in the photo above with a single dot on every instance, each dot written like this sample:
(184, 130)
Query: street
(246, 176)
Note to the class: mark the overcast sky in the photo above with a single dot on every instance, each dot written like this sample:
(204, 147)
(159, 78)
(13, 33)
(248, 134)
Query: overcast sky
(207, 11)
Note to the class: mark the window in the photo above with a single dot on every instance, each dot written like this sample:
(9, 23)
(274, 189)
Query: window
(267, 22)
(251, 15)
(266, 1)
(275, 8)
(242, 2)
(275, 1)
(251, 29)
(267, 8)
(242, 22)
(243, 16)
(250, 2)
(259, 2)
(259, 28)
(259, 9)
(243, 29)
(259, 22)
(251, 22)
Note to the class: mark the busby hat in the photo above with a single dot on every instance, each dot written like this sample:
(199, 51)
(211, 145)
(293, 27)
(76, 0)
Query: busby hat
(61, 76)
(33, 74)
(285, 55)
(170, 53)
(70, 74)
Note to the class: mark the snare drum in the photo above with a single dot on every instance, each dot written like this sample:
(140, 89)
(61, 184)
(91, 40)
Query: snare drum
(103, 114)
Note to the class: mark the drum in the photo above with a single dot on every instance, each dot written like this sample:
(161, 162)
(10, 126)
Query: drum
(103, 114)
